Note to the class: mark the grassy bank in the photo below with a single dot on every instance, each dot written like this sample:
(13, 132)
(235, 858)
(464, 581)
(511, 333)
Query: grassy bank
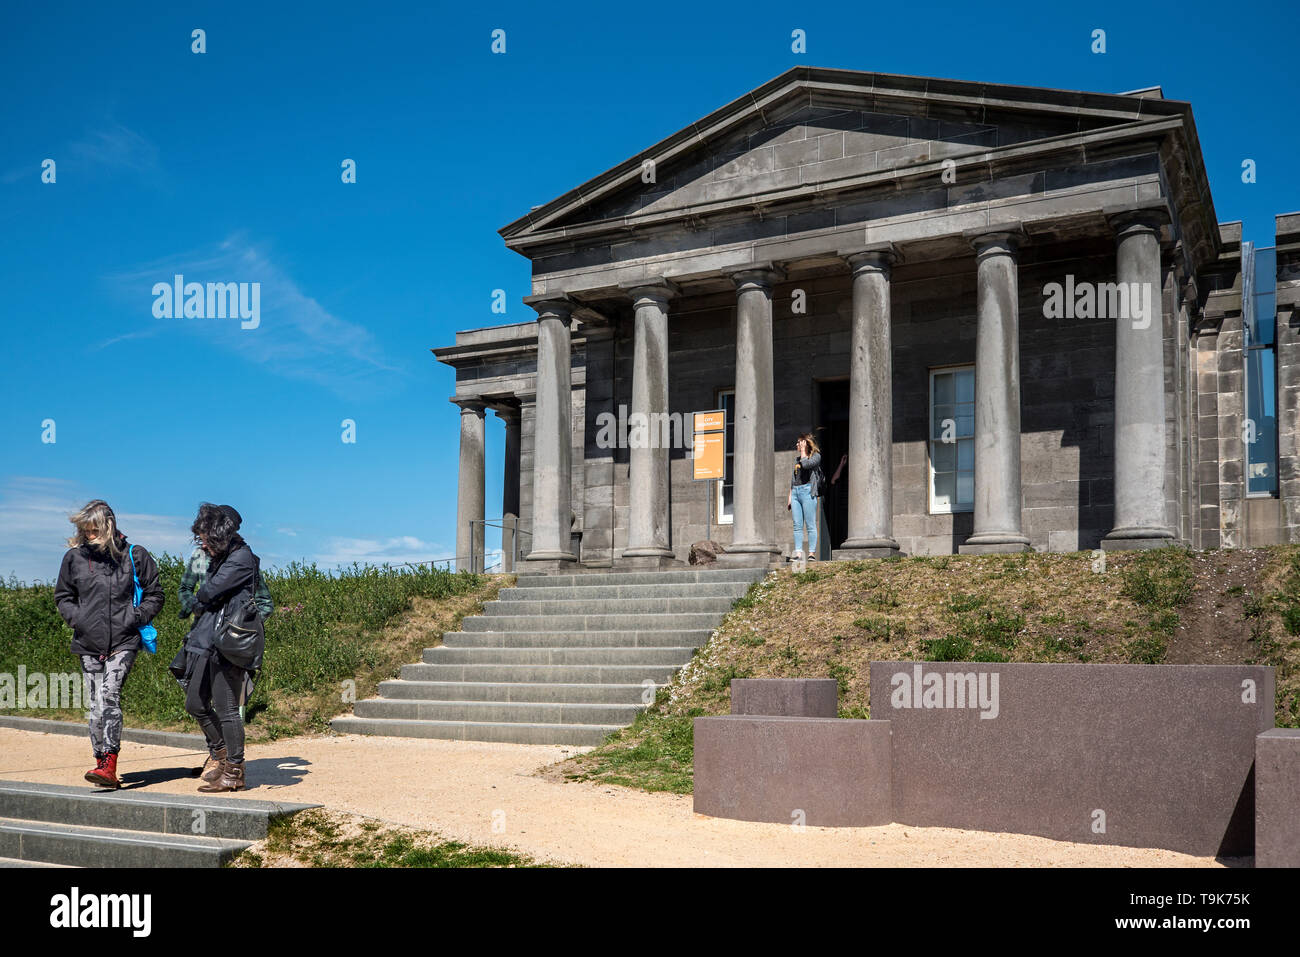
(356, 626)
(321, 838)
(1162, 606)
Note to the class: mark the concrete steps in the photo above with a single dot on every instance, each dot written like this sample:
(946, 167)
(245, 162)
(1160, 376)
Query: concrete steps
(46, 824)
(557, 659)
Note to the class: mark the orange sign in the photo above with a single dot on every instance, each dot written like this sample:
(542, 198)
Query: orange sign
(710, 459)
(710, 421)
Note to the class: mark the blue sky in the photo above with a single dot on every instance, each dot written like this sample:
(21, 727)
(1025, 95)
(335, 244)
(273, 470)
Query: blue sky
(225, 166)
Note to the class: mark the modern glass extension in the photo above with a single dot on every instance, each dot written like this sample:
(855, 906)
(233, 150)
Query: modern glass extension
(1259, 345)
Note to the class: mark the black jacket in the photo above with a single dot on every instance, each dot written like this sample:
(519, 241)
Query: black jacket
(229, 581)
(94, 595)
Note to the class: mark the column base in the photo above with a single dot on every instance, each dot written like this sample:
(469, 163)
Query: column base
(1138, 537)
(548, 562)
(865, 547)
(995, 543)
(654, 563)
(749, 556)
(851, 553)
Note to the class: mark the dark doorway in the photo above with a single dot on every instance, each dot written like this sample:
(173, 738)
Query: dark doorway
(832, 431)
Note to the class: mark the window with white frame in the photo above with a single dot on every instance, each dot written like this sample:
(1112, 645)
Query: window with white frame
(722, 506)
(952, 439)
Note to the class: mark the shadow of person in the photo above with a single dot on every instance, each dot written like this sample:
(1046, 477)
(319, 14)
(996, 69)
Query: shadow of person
(141, 779)
(280, 772)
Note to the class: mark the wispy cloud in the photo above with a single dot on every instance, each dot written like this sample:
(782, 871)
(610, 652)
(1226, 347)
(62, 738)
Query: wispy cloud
(116, 146)
(34, 526)
(297, 337)
(106, 146)
(368, 551)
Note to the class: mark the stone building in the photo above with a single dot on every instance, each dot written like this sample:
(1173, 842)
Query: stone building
(1013, 309)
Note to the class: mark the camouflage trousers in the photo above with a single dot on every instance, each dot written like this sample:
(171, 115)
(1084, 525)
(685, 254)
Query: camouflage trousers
(104, 680)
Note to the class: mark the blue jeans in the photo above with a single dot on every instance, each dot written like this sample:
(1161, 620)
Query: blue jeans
(803, 507)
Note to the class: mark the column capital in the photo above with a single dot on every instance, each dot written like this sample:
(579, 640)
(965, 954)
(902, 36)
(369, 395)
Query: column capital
(469, 403)
(552, 306)
(761, 275)
(1130, 220)
(508, 413)
(1005, 239)
(656, 290)
(877, 256)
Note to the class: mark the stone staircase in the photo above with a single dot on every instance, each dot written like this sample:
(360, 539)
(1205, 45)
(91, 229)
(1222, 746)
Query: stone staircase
(558, 659)
(50, 825)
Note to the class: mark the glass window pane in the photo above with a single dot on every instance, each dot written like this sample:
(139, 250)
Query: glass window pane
(943, 388)
(944, 456)
(1265, 320)
(941, 412)
(1261, 412)
(1266, 270)
(966, 488)
(966, 455)
(965, 421)
(966, 385)
(945, 486)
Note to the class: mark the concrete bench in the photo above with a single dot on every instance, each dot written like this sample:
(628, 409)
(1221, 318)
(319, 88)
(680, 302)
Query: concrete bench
(822, 772)
(1136, 755)
(1277, 798)
(791, 697)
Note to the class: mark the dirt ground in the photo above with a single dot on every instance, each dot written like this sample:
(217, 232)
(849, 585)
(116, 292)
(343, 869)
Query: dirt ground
(489, 794)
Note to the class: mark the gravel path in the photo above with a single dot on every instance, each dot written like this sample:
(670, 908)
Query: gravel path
(490, 794)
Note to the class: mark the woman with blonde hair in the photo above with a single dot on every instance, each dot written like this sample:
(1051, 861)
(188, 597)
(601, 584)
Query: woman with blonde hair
(806, 484)
(95, 594)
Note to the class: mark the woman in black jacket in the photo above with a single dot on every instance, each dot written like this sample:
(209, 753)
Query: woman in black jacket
(95, 594)
(213, 685)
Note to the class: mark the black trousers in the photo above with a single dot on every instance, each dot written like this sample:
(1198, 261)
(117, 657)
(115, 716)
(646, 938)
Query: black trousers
(214, 704)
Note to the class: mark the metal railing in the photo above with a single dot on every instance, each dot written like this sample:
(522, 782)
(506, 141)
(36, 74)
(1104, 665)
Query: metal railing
(514, 550)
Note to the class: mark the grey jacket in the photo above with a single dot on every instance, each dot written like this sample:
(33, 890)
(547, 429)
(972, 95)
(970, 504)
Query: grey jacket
(812, 465)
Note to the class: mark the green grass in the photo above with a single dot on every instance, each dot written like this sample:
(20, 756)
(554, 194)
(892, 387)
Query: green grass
(323, 632)
(316, 838)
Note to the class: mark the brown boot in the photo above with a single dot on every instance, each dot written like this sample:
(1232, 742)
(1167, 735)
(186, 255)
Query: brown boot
(231, 778)
(212, 766)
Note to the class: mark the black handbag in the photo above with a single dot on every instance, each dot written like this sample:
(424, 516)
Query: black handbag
(241, 635)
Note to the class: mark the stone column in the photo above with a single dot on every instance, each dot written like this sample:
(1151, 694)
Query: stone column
(997, 396)
(469, 487)
(649, 536)
(553, 440)
(871, 409)
(510, 487)
(754, 503)
(1139, 387)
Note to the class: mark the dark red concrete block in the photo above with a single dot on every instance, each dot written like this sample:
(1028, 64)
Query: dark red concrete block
(822, 772)
(791, 697)
(1136, 755)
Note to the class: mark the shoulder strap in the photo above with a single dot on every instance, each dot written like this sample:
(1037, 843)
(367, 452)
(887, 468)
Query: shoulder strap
(131, 555)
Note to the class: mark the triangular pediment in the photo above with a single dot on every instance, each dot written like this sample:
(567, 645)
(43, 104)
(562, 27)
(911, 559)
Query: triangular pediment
(810, 130)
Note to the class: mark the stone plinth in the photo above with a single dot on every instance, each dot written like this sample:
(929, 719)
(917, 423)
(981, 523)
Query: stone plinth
(822, 772)
(787, 697)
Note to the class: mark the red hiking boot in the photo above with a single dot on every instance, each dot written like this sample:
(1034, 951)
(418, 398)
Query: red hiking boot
(105, 773)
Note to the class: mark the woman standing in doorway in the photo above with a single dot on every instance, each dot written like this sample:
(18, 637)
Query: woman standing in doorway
(806, 482)
(95, 594)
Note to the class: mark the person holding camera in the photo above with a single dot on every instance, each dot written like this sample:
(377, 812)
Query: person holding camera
(806, 483)
(214, 684)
